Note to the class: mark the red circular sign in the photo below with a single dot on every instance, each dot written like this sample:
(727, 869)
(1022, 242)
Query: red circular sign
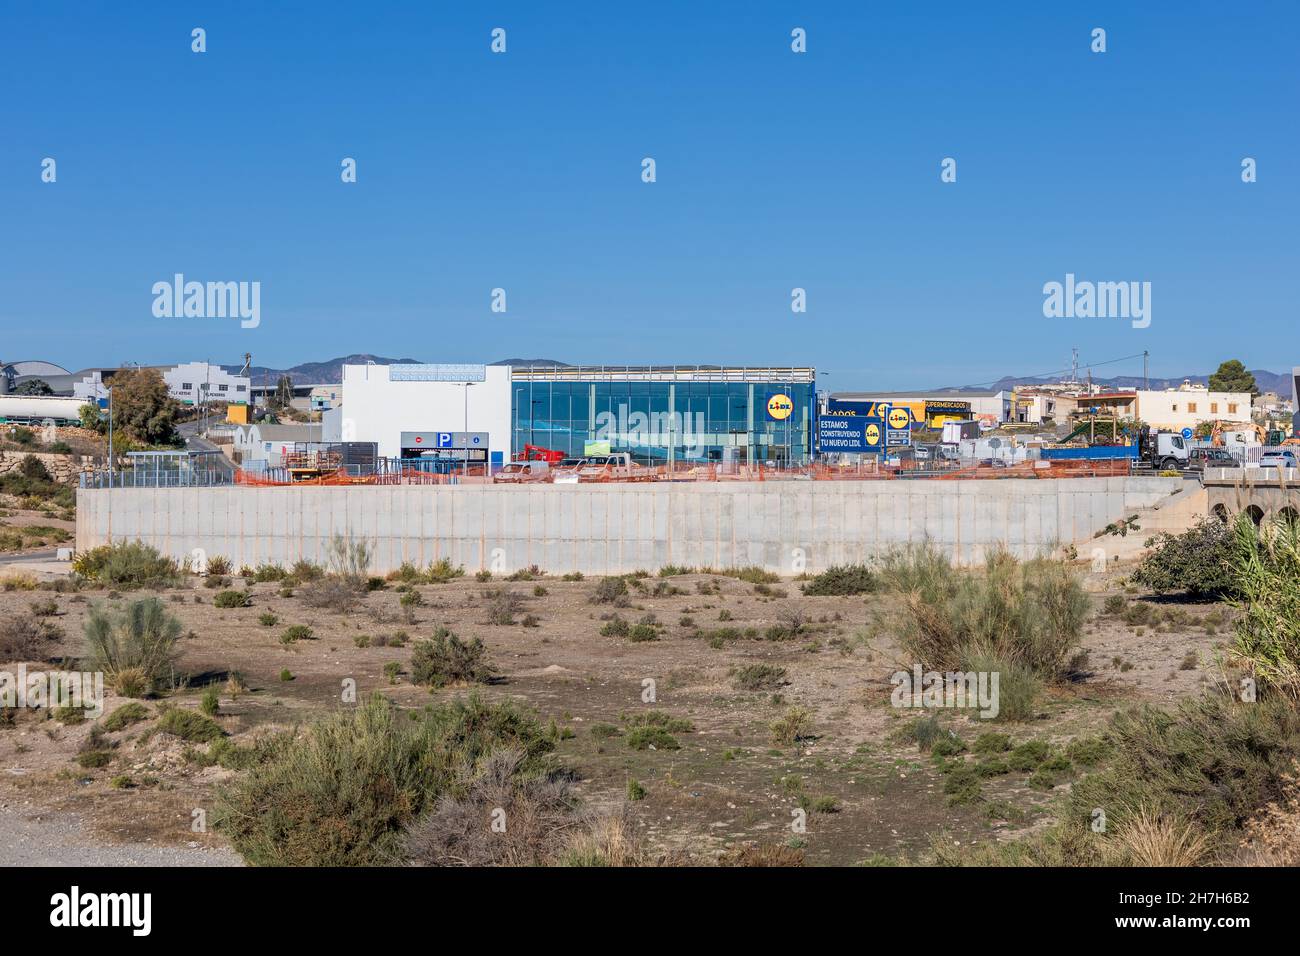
(418, 439)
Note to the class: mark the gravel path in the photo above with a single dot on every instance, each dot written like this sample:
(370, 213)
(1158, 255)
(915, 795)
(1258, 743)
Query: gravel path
(60, 839)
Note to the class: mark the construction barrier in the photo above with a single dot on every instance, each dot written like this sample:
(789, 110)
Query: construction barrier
(682, 472)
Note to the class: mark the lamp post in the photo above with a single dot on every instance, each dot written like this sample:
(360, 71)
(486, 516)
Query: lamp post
(465, 466)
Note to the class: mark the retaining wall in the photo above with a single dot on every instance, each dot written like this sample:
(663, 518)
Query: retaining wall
(786, 526)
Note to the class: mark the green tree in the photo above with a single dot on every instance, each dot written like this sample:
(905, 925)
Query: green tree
(1232, 376)
(143, 408)
(34, 386)
(92, 419)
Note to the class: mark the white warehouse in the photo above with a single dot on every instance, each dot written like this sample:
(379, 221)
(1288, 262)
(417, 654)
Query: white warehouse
(404, 408)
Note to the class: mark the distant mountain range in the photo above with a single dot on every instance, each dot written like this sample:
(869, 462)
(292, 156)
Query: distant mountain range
(331, 371)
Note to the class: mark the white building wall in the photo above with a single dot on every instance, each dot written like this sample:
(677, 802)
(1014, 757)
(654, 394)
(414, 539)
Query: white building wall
(1178, 408)
(222, 386)
(378, 409)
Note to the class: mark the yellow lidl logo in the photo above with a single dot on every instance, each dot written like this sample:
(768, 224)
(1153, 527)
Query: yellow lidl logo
(899, 418)
(873, 434)
(780, 407)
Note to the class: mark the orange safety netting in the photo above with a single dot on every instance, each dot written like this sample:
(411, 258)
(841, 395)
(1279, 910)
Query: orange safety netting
(864, 471)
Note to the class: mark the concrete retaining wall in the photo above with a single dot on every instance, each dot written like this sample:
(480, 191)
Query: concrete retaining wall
(783, 526)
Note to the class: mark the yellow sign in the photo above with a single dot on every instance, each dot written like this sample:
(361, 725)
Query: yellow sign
(873, 434)
(780, 407)
(899, 418)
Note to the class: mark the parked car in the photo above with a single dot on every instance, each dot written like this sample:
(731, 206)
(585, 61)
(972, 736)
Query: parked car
(1279, 458)
(1201, 458)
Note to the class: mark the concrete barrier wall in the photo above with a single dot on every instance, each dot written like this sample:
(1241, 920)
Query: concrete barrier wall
(785, 526)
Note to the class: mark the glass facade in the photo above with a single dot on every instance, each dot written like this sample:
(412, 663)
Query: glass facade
(683, 419)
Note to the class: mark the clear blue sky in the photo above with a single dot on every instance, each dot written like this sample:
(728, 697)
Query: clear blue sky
(775, 170)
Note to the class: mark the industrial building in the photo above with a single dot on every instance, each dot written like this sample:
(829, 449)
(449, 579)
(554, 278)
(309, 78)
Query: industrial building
(658, 414)
(428, 411)
(190, 383)
(663, 414)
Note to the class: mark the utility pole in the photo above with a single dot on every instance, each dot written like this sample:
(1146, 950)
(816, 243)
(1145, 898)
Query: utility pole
(465, 468)
(1074, 374)
(1146, 384)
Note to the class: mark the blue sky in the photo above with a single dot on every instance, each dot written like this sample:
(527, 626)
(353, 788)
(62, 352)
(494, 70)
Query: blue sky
(775, 170)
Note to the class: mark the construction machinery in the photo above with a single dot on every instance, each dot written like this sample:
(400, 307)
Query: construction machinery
(538, 453)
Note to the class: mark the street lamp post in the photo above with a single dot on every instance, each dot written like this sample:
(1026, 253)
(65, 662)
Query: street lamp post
(465, 467)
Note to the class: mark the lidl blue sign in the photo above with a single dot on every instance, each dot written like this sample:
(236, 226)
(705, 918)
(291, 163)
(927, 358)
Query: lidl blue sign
(854, 434)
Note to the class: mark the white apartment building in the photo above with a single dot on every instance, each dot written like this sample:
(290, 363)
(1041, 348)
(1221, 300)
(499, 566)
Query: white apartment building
(1188, 405)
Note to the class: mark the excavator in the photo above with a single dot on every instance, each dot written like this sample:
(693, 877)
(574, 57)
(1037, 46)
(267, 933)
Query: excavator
(1218, 428)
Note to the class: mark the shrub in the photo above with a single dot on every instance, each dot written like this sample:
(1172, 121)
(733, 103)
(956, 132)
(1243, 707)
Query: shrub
(841, 580)
(991, 743)
(442, 571)
(125, 716)
(635, 790)
(267, 619)
(295, 633)
(917, 569)
(227, 599)
(344, 792)
(1266, 572)
(1211, 760)
(1197, 562)
(1029, 613)
(792, 727)
(127, 565)
(286, 675)
(609, 590)
(615, 627)
(134, 647)
(760, 677)
(651, 738)
(503, 605)
(46, 608)
(24, 638)
(189, 725)
(334, 593)
(753, 574)
(765, 855)
(1018, 685)
(219, 566)
(211, 703)
(642, 632)
(447, 660)
(539, 812)
(266, 572)
(1148, 838)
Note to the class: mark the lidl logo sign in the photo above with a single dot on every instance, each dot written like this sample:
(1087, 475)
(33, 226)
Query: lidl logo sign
(873, 434)
(780, 407)
(899, 418)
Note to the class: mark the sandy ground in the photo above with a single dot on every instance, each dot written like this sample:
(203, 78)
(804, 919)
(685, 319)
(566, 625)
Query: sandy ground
(728, 783)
